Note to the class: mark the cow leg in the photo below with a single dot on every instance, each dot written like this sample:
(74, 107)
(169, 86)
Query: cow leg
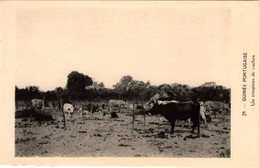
(173, 124)
(183, 123)
(205, 122)
(198, 125)
(193, 127)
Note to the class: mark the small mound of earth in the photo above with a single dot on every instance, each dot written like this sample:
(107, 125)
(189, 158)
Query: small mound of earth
(31, 113)
(161, 135)
(191, 137)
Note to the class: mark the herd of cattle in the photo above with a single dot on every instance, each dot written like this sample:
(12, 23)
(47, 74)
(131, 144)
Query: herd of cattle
(172, 110)
(67, 108)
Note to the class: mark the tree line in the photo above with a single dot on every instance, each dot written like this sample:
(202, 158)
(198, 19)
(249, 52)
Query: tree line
(82, 87)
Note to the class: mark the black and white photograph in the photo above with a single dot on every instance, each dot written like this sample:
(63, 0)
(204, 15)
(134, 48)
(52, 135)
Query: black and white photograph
(128, 80)
(122, 83)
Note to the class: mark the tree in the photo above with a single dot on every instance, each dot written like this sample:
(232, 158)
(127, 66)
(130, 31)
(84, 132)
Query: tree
(28, 93)
(101, 85)
(165, 90)
(76, 84)
(213, 93)
(50, 95)
(123, 86)
(59, 91)
(181, 92)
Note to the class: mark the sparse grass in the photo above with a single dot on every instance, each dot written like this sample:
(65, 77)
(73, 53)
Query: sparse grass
(99, 135)
(225, 154)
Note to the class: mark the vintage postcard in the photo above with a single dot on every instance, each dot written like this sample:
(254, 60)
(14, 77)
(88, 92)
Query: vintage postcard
(126, 83)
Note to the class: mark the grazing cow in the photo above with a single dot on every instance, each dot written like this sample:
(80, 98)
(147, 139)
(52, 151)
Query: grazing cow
(91, 109)
(214, 107)
(179, 111)
(68, 108)
(84, 112)
(119, 103)
(37, 104)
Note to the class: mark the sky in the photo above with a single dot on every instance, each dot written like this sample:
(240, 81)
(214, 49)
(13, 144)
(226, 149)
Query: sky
(160, 45)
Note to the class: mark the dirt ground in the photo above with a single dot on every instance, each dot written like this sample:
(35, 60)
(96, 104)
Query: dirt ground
(98, 136)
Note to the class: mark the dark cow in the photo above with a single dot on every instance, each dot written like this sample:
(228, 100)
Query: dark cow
(179, 111)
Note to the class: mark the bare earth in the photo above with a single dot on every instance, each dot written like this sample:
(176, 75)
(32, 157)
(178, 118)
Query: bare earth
(105, 137)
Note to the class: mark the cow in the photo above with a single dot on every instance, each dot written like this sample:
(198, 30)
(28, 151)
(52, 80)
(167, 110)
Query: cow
(79, 108)
(38, 104)
(202, 113)
(131, 107)
(160, 100)
(95, 108)
(119, 103)
(202, 116)
(214, 107)
(84, 112)
(156, 99)
(179, 111)
(91, 109)
(68, 108)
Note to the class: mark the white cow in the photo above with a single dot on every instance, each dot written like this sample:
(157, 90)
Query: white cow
(119, 103)
(68, 108)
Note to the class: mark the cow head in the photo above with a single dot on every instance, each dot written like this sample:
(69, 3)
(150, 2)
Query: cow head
(148, 106)
(154, 110)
